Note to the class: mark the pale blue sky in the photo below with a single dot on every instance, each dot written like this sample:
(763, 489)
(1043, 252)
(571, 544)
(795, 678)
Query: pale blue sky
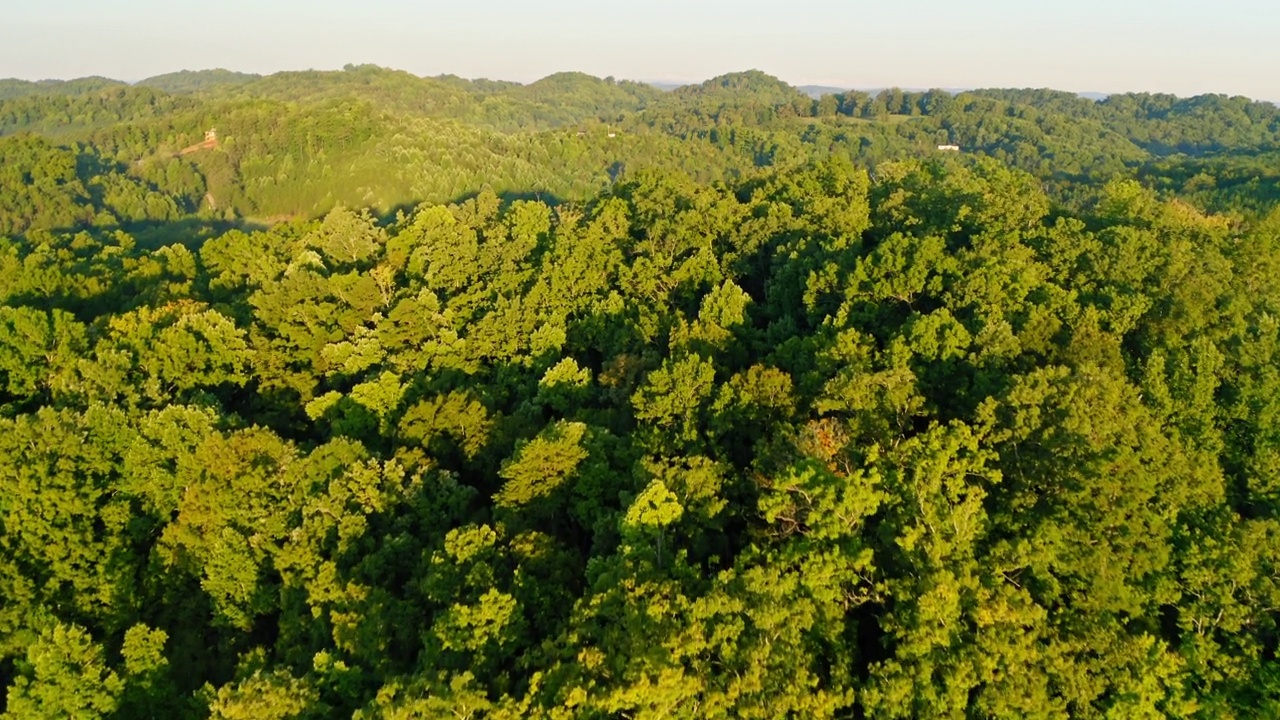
(1179, 46)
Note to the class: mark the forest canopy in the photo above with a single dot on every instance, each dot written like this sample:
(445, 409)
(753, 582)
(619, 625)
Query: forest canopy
(403, 397)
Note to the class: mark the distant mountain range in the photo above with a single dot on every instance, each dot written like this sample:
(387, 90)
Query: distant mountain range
(817, 91)
(189, 81)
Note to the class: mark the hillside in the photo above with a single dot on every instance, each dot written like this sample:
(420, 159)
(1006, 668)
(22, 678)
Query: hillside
(191, 81)
(13, 88)
(458, 136)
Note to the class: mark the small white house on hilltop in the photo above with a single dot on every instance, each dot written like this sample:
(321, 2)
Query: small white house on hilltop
(949, 148)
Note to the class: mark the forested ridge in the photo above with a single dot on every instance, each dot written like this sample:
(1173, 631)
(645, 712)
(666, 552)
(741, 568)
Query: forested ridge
(430, 397)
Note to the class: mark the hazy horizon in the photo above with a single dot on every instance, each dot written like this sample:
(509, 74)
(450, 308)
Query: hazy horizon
(1088, 47)
(661, 83)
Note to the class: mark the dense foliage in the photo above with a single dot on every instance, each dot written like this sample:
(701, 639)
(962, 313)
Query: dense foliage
(700, 405)
(297, 144)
